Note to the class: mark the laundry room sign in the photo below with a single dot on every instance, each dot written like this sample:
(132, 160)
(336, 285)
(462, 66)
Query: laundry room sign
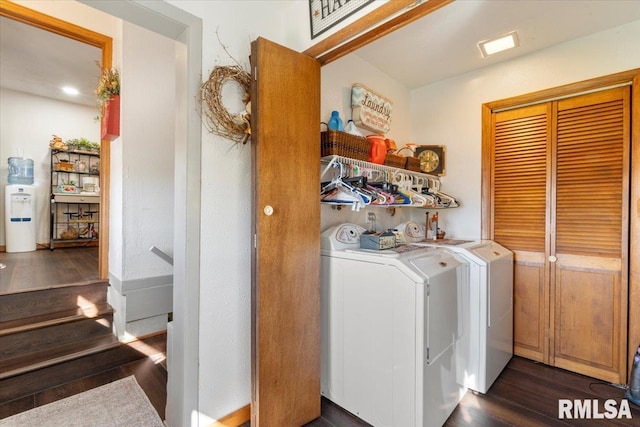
(370, 110)
(324, 14)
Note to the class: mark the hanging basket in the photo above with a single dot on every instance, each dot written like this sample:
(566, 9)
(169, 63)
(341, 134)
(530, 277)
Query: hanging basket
(110, 127)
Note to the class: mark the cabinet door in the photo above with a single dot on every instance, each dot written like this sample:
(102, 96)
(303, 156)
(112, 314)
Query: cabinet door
(520, 175)
(591, 182)
(286, 221)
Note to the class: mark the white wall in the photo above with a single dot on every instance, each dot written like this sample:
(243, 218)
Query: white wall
(336, 81)
(142, 184)
(146, 147)
(27, 123)
(449, 112)
(225, 275)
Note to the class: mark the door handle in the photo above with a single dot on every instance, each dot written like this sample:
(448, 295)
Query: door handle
(268, 210)
(553, 258)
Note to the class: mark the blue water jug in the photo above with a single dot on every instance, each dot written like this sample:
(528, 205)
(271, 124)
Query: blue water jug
(20, 171)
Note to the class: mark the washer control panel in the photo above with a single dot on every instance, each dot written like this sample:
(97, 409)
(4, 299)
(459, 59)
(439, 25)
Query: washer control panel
(342, 236)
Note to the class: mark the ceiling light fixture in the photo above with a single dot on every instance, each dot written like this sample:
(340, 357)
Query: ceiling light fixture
(71, 91)
(507, 41)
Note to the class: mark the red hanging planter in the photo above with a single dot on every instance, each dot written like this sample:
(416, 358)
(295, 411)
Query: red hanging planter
(110, 128)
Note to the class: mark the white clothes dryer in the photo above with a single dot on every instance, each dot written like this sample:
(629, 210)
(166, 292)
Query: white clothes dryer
(490, 306)
(391, 328)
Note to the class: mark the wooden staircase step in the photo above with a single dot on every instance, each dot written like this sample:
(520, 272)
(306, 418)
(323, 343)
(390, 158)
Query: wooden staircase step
(50, 319)
(63, 369)
(49, 337)
(55, 299)
(55, 355)
(34, 340)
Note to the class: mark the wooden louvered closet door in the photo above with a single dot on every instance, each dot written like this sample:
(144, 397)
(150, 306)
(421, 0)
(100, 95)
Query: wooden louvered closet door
(589, 278)
(560, 201)
(521, 167)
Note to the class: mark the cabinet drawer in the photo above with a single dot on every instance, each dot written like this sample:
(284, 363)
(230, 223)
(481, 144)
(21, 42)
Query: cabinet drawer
(75, 198)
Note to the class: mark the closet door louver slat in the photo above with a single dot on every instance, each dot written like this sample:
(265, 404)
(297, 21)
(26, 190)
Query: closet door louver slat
(588, 281)
(519, 178)
(589, 185)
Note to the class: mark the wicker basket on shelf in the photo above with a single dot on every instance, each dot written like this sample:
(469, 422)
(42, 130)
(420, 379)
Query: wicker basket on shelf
(413, 164)
(64, 166)
(337, 143)
(394, 160)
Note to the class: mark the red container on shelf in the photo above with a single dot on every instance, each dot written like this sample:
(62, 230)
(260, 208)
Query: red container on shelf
(378, 149)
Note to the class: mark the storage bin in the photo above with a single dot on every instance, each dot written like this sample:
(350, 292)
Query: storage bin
(394, 160)
(337, 143)
(412, 164)
(63, 166)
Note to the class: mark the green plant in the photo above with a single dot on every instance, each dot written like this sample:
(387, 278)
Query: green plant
(108, 85)
(83, 144)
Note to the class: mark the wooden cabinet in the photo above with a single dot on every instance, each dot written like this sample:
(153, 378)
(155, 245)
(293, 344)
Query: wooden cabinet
(560, 175)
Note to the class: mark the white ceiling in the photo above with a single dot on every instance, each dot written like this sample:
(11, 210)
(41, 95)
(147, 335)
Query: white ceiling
(441, 45)
(39, 62)
(444, 43)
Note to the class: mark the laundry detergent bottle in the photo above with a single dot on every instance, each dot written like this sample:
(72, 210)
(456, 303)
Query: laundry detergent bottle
(335, 122)
(378, 149)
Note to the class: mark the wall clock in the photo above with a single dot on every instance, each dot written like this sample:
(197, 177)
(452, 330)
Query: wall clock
(431, 159)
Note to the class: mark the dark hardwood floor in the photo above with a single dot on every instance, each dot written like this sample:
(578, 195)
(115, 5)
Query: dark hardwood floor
(525, 394)
(43, 268)
(150, 372)
(528, 394)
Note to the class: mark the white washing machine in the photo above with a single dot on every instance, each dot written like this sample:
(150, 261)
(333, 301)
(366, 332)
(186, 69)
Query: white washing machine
(391, 329)
(490, 303)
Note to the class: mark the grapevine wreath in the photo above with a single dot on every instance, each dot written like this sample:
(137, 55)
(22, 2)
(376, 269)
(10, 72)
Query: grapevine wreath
(217, 119)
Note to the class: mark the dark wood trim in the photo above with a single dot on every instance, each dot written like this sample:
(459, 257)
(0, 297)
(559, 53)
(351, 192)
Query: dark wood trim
(91, 244)
(367, 30)
(57, 26)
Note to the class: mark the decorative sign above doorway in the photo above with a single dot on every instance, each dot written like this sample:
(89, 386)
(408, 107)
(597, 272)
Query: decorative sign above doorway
(324, 14)
(370, 110)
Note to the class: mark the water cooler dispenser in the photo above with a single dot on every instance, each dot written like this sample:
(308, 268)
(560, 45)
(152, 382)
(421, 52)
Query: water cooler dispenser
(20, 207)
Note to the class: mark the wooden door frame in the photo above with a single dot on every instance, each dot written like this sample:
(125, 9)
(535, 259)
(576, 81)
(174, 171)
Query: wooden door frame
(105, 44)
(631, 77)
(381, 21)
